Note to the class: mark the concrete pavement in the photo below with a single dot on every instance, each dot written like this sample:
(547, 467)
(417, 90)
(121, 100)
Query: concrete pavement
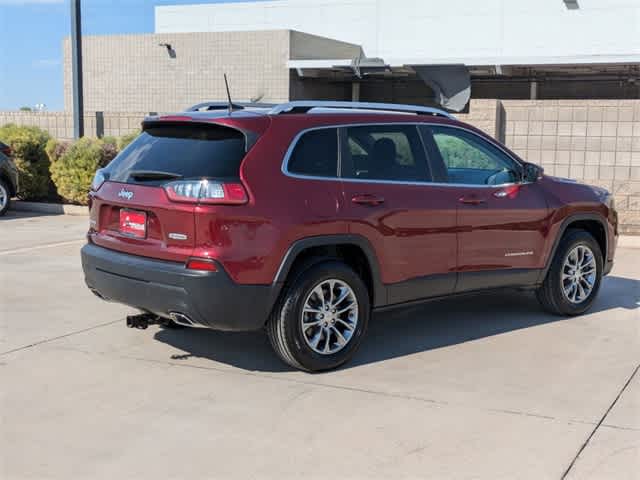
(485, 387)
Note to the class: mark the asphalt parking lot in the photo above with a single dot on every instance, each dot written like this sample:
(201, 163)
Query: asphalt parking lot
(485, 387)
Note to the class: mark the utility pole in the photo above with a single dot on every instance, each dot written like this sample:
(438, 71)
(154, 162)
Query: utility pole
(76, 69)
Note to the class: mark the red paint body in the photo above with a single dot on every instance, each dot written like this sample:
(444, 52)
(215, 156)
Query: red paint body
(419, 230)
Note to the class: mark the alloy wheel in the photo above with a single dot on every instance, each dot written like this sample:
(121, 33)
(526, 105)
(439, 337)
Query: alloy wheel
(579, 274)
(329, 316)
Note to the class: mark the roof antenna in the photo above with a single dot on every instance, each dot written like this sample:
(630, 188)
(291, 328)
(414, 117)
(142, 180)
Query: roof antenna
(226, 84)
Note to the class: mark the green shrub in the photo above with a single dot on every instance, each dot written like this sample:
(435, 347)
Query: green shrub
(55, 149)
(73, 172)
(28, 147)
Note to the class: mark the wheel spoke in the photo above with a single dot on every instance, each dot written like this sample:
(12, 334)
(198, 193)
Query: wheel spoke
(332, 284)
(347, 324)
(344, 294)
(327, 342)
(311, 310)
(320, 294)
(572, 259)
(313, 323)
(586, 286)
(583, 292)
(345, 309)
(316, 339)
(340, 338)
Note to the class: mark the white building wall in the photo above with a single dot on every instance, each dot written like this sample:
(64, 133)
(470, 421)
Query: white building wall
(474, 32)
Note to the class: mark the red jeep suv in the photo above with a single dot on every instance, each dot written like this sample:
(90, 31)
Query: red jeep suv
(305, 217)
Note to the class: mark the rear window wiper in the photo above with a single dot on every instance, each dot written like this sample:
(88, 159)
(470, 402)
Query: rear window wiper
(153, 175)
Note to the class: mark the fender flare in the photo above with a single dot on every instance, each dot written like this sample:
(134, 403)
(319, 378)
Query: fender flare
(563, 228)
(379, 290)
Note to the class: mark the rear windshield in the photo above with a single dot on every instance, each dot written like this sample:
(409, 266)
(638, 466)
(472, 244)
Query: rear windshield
(187, 151)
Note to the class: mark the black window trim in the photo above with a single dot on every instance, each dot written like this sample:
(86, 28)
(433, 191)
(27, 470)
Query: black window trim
(340, 126)
(294, 143)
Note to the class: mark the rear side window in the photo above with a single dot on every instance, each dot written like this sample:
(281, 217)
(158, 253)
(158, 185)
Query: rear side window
(385, 152)
(186, 151)
(316, 154)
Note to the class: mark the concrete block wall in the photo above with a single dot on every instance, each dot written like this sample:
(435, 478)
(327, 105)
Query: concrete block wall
(486, 115)
(60, 124)
(593, 141)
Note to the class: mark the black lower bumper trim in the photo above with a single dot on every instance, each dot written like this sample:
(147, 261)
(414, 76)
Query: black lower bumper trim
(209, 299)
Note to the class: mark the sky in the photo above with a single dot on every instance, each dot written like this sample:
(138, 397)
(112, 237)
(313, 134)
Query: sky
(31, 34)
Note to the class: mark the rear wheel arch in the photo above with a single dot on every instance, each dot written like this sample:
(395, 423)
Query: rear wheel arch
(353, 250)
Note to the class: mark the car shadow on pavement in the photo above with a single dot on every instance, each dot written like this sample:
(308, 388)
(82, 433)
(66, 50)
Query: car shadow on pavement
(405, 331)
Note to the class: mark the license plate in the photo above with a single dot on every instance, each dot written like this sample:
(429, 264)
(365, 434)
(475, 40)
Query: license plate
(133, 223)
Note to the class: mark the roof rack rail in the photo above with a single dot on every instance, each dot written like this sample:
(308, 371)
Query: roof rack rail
(304, 106)
(208, 106)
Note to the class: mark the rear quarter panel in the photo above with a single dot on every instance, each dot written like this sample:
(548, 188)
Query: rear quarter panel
(251, 240)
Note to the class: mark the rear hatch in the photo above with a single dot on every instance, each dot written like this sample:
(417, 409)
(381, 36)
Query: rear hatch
(143, 202)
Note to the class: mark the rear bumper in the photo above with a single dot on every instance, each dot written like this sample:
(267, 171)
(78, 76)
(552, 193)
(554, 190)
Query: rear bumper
(209, 299)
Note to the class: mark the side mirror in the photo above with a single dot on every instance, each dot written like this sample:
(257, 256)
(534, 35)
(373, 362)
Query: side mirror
(532, 173)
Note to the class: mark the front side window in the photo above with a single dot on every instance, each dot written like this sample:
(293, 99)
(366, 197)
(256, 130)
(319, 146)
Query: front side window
(316, 154)
(471, 160)
(384, 152)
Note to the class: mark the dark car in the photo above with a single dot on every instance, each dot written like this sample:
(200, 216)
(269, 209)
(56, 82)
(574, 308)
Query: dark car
(305, 217)
(8, 178)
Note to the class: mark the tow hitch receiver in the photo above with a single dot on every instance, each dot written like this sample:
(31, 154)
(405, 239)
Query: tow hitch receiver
(143, 320)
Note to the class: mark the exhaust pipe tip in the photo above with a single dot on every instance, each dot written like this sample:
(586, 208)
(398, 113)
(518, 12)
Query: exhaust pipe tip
(182, 319)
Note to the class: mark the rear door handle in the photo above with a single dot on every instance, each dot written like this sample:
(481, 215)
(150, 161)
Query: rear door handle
(367, 199)
(472, 200)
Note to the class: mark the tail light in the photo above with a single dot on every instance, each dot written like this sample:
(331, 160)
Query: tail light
(206, 191)
(203, 264)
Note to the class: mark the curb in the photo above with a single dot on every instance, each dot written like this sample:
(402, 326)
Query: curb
(50, 208)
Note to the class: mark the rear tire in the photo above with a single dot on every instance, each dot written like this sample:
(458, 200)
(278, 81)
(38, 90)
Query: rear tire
(5, 197)
(321, 317)
(565, 290)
